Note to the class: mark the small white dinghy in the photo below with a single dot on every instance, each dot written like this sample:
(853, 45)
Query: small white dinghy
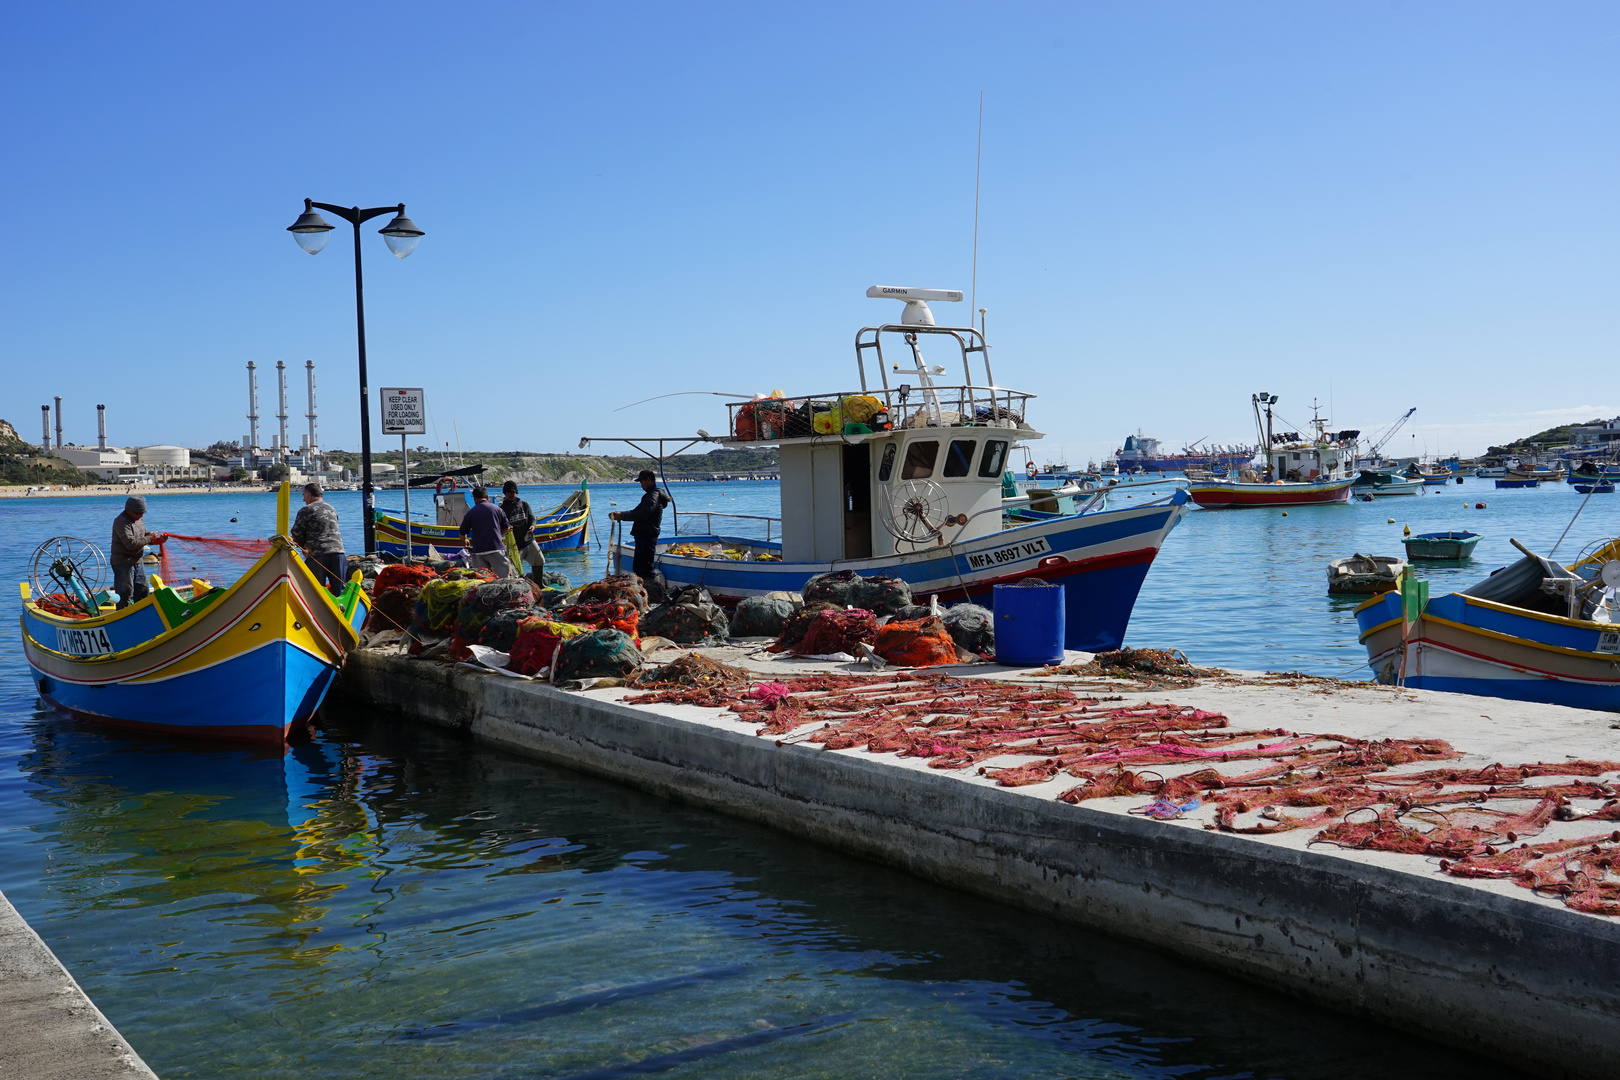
(1365, 574)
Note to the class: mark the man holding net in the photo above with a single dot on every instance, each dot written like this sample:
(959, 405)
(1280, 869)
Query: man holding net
(129, 540)
(483, 534)
(316, 531)
(521, 518)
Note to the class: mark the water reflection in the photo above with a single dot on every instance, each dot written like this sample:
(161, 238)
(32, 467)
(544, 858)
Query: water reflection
(382, 902)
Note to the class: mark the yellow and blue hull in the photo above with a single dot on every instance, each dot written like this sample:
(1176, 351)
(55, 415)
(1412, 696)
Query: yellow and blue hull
(251, 661)
(564, 526)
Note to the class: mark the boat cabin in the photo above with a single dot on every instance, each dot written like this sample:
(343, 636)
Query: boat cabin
(892, 467)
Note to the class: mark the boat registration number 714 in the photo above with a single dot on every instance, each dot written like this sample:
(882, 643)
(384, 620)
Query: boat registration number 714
(90, 641)
(979, 560)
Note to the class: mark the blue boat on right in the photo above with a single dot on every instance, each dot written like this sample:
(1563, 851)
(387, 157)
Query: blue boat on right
(1531, 631)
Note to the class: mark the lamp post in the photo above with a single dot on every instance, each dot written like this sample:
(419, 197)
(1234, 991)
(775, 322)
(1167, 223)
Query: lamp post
(402, 236)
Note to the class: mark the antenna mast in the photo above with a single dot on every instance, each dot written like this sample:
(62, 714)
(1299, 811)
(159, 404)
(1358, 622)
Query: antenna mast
(978, 162)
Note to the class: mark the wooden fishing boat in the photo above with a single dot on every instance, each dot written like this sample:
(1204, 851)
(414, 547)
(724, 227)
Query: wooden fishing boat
(1601, 487)
(1456, 544)
(1518, 482)
(1299, 470)
(1364, 574)
(565, 525)
(913, 486)
(1532, 631)
(249, 661)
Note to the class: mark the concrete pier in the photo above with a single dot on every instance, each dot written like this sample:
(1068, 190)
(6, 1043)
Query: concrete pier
(49, 1029)
(1484, 965)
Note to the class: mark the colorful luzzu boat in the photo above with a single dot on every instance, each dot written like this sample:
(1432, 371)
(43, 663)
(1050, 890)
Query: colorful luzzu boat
(908, 480)
(249, 661)
(1298, 471)
(1532, 631)
(563, 526)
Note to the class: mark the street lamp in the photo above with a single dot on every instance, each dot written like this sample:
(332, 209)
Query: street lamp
(311, 231)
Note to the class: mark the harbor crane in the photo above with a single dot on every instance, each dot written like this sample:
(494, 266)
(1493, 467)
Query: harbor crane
(1389, 433)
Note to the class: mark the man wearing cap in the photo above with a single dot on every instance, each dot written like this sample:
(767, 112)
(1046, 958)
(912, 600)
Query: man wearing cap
(521, 519)
(645, 521)
(316, 531)
(129, 540)
(483, 532)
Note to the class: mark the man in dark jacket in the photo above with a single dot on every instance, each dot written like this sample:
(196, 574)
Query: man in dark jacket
(645, 521)
(483, 534)
(129, 540)
(316, 531)
(521, 518)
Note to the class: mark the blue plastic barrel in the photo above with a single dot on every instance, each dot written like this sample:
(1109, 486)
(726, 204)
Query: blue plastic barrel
(1029, 623)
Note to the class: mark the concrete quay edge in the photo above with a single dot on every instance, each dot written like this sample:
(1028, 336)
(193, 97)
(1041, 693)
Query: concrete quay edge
(1511, 977)
(49, 1027)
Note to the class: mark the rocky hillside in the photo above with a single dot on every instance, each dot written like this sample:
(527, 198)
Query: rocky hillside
(528, 468)
(19, 463)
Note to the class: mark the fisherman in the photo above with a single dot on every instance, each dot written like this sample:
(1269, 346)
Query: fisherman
(316, 531)
(645, 520)
(129, 540)
(483, 534)
(521, 518)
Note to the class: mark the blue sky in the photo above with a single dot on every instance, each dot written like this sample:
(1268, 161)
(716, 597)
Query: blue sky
(1377, 205)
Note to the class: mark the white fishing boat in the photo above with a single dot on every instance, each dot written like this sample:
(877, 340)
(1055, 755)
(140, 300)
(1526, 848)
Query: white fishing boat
(907, 479)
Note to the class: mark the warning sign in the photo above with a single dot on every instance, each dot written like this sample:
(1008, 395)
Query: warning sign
(404, 411)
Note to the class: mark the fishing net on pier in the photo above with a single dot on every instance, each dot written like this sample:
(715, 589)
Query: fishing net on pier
(833, 588)
(393, 609)
(703, 680)
(219, 560)
(437, 603)
(972, 627)
(761, 616)
(1391, 795)
(536, 643)
(597, 654)
(623, 587)
(620, 615)
(881, 594)
(689, 617)
(794, 631)
(837, 631)
(920, 643)
(399, 575)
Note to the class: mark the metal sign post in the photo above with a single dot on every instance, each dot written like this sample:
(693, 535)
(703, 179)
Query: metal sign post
(404, 412)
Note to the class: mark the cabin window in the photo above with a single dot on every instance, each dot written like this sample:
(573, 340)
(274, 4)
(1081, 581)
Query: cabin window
(995, 456)
(919, 460)
(886, 467)
(959, 457)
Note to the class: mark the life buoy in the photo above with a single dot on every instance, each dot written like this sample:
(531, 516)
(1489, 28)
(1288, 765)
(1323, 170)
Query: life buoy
(440, 488)
(1030, 470)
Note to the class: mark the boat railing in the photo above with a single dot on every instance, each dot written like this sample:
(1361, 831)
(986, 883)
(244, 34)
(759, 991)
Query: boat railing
(773, 525)
(1099, 498)
(771, 419)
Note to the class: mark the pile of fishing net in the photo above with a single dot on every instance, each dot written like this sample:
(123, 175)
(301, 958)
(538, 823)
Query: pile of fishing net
(798, 623)
(394, 593)
(625, 587)
(920, 643)
(620, 615)
(701, 680)
(837, 631)
(489, 614)
(553, 579)
(972, 627)
(1134, 663)
(881, 594)
(399, 575)
(762, 616)
(466, 573)
(596, 655)
(690, 617)
(436, 604)
(537, 641)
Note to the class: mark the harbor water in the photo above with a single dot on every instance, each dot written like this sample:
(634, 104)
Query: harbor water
(393, 902)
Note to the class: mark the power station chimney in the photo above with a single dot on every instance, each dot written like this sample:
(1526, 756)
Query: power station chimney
(101, 427)
(45, 430)
(309, 373)
(59, 443)
(281, 389)
(253, 408)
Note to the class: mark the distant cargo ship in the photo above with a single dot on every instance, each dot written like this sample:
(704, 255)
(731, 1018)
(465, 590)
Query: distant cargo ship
(1141, 452)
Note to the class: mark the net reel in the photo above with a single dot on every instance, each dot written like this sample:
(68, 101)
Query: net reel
(69, 566)
(916, 511)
